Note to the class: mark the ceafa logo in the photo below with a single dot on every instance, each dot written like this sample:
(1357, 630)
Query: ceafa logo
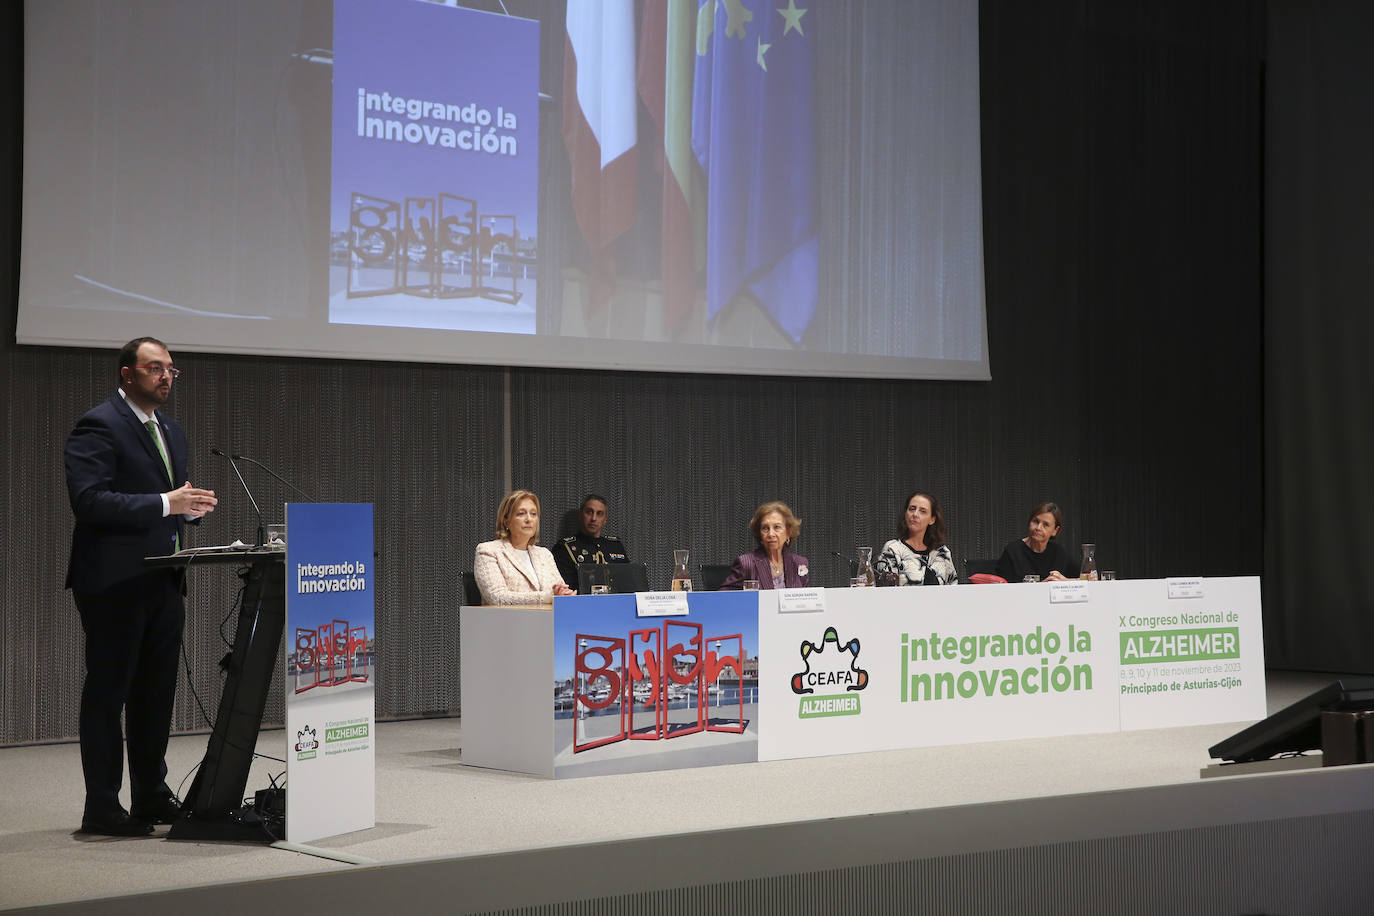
(829, 666)
(306, 743)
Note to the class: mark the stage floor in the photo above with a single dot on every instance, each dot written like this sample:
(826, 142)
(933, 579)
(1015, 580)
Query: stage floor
(429, 805)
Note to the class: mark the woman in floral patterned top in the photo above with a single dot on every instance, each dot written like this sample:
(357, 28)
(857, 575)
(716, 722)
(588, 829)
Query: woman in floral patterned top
(919, 555)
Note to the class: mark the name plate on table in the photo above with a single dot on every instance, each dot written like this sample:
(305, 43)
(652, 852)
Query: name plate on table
(800, 600)
(1071, 592)
(1184, 588)
(660, 604)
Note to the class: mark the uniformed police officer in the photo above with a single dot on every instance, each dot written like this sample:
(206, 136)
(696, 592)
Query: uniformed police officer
(589, 545)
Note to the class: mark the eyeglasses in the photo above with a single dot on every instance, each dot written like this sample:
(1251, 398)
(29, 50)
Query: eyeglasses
(160, 371)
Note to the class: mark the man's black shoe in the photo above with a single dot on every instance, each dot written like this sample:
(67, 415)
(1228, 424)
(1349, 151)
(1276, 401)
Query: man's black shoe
(163, 810)
(117, 824)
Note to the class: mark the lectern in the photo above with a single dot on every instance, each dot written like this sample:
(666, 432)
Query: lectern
(214, 809)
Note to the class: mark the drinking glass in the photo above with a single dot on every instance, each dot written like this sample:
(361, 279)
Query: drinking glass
(598, 579)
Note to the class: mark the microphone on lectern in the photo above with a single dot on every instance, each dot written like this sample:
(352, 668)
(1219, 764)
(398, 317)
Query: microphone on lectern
(233, 464)
(288, 483)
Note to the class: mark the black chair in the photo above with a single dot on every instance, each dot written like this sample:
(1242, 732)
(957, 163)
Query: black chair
(472, 595)
(713, 575)
(973, 566)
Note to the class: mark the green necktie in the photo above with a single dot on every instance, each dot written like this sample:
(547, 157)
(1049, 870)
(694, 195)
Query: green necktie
(157, 440)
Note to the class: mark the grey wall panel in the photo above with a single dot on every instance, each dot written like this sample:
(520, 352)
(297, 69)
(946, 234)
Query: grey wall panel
(422, 443)
(684, 460)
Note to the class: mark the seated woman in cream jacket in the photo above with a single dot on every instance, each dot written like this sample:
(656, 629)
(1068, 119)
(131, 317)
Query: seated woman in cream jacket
(513, 569)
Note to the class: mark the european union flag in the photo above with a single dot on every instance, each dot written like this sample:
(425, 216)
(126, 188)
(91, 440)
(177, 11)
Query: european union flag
(753, 132)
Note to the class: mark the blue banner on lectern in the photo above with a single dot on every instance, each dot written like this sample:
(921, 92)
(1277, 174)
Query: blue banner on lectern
(331, 670)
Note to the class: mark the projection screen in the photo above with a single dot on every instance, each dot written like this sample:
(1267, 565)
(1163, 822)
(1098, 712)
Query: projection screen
(396, 180)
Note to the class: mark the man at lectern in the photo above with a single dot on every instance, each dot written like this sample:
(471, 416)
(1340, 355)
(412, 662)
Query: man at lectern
(589, 545)
(129, 491)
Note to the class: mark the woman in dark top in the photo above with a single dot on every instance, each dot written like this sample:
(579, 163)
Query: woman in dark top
(1038, 553)
(919, 554)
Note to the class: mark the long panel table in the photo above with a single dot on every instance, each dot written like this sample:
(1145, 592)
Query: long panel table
(590, 687)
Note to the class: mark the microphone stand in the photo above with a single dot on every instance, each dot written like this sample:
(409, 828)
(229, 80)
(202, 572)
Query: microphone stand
(261, 527)
(254, 461)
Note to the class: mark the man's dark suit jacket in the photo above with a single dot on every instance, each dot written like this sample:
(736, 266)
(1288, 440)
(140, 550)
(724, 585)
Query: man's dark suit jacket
(115, 478)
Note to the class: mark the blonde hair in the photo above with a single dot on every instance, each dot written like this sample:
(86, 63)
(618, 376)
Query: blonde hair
(788, 519)
(507, 509)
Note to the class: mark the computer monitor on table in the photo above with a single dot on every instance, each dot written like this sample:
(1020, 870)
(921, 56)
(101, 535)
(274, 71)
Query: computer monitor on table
(624, 578)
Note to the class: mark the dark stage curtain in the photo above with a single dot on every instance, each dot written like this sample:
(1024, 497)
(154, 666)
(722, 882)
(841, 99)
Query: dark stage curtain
(1319, 326)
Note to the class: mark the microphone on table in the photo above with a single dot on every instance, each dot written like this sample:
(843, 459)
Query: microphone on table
(233, 464)
(288, 483)
(853, 563)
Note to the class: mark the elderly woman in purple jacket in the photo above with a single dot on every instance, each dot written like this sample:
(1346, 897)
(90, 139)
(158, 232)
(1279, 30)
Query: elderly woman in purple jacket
(773, 564)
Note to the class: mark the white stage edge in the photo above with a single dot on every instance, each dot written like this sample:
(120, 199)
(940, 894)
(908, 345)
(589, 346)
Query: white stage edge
(1119, 822)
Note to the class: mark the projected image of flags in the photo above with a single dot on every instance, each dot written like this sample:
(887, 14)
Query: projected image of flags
(599, 128)
(753, 134)
(667, 56)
